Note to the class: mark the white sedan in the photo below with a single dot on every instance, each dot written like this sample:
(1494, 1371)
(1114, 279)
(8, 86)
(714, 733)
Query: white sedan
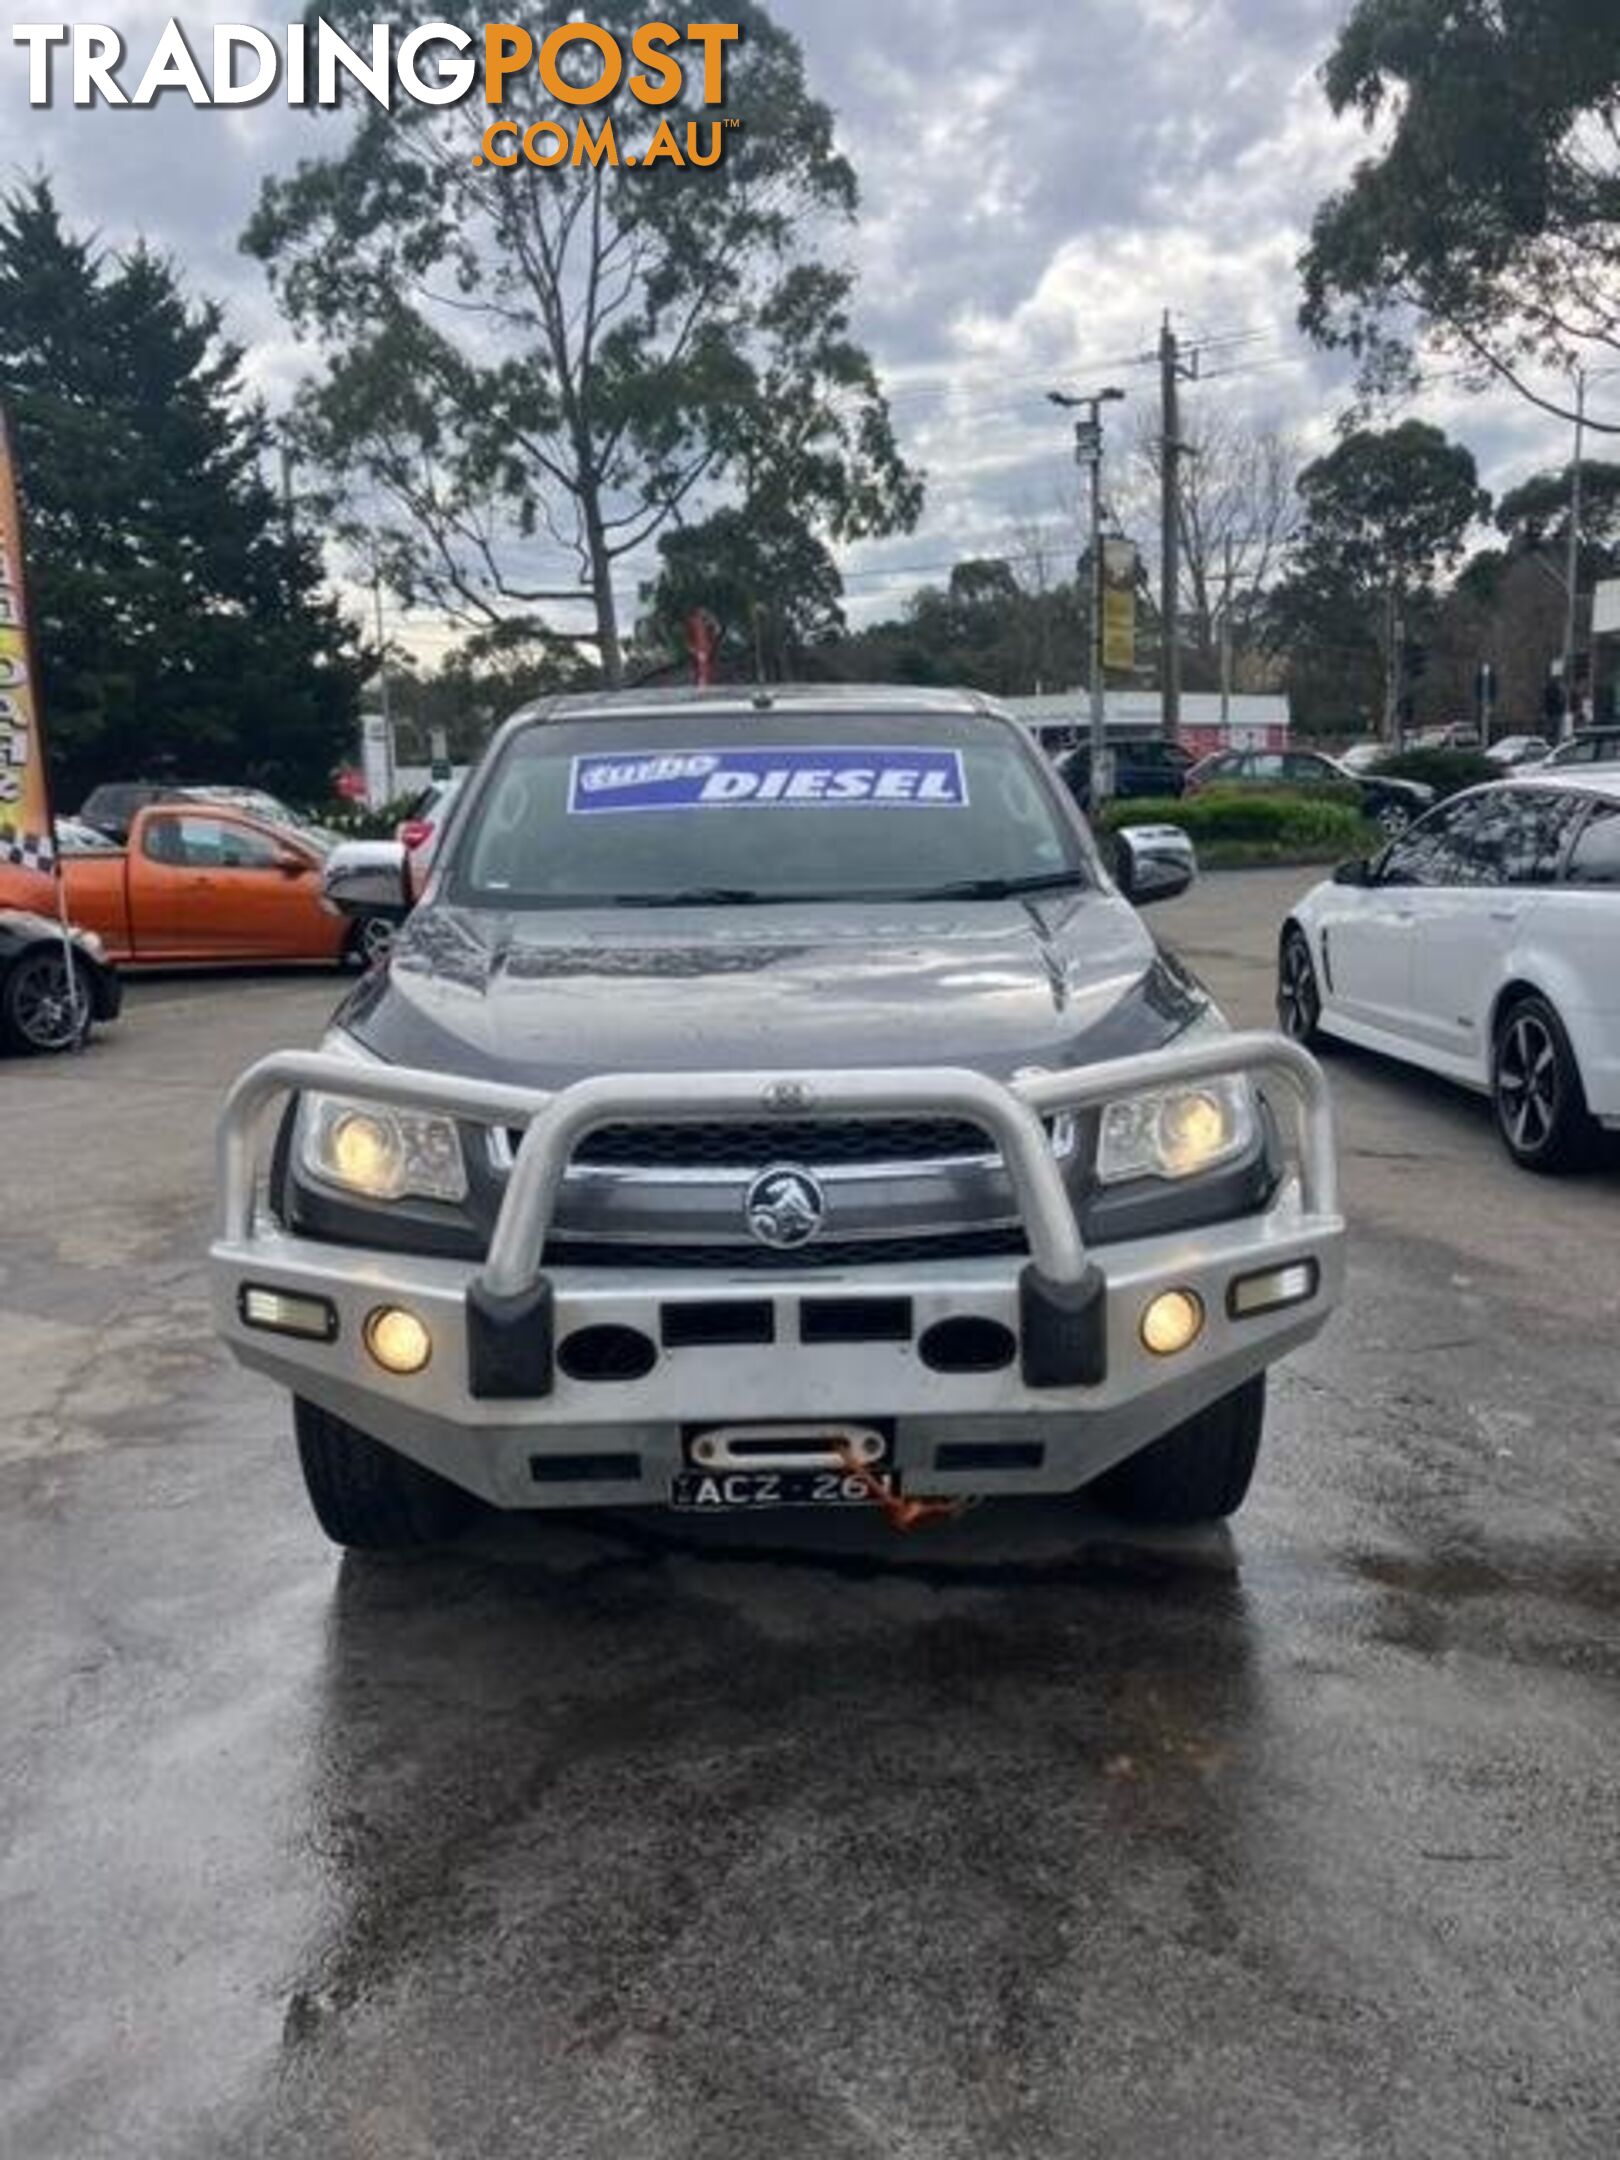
(1484, 945)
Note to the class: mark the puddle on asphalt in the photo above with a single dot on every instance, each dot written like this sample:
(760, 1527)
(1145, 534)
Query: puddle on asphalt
(1007, 1548)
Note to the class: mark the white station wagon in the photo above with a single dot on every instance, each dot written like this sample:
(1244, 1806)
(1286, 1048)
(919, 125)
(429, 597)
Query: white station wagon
(1483, 945)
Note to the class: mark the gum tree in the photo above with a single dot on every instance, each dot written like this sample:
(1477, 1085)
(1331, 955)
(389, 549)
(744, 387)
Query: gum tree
(528, 376)
(1487, 218)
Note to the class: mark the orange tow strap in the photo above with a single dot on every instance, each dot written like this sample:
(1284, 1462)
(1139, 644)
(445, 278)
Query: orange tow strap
(902, 1515)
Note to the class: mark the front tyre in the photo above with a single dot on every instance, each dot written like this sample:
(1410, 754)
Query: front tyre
(1199, 1473)
(1299, 994)
(370, 942)
(41, 1010)
(1536, 1090)
(368, 1498)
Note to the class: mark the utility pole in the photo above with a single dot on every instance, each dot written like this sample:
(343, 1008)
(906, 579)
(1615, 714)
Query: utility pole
(1226, 642)
(1088, 452)
(1170, 454)
(1576, 508)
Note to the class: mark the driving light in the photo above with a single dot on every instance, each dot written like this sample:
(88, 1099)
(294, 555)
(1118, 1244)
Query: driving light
(1173, 1323)
(1176, 1132)
(398, 1341)
(279, 1312)
(379, 1153)
(1274, 1291)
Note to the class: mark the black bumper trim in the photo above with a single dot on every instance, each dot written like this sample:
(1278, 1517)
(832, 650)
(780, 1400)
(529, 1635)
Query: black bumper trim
(1063, 1329)
(510, 1344)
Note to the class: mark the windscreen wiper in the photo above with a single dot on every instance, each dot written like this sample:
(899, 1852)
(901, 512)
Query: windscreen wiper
(1002, 888)
(693, 896)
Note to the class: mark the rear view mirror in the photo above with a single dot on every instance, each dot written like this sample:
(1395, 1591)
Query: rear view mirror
(367, 877)
(1153, 862)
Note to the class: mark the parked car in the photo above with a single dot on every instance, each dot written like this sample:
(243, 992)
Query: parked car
(110, 809)
(74, 837)
(40, 1008)
(774, 1102)
(1390, 804)
(1361, 757)
(1515, 750)
(259, 804)
(1593, 746)
(1481, 946)
(1149, 767)
(198, 884)
(421, 833)
(1460, 735)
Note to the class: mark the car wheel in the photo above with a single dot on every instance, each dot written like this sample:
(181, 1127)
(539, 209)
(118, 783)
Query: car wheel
(1393, 819)
(1536, 1089)
(1198, 1473)
(1299, 995)
(370, 942)
(368, 1498)
(37, 1009)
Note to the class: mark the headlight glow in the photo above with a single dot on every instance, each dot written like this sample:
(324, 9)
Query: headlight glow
(1177, 1132)
(379, 1153)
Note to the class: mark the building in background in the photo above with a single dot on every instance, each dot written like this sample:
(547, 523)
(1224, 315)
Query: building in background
(1251, 722)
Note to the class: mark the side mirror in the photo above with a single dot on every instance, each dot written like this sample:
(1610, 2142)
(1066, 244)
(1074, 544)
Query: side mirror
(367, 877)
(1153, 862)
(291, 864)
(1359, 872)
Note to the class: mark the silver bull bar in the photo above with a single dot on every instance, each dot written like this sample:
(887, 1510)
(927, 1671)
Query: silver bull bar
(556, 1123)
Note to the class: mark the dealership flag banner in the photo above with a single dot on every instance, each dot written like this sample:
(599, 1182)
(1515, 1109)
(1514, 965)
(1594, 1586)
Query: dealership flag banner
(27, 836)
(1119, 572)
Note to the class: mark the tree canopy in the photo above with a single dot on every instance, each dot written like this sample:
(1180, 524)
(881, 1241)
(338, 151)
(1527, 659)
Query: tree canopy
(529, 376)
(1384, 515)
(1489, 214)
(181, 630)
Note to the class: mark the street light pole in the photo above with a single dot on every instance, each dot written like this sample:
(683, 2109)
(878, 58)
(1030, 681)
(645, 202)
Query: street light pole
(1088, 450)
(1576, 507)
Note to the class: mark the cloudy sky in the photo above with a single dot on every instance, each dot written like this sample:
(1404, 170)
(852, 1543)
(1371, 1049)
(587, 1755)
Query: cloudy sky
(1040, 180)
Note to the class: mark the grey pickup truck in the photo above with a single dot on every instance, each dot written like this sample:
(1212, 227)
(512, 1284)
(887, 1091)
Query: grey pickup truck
(773, 1100)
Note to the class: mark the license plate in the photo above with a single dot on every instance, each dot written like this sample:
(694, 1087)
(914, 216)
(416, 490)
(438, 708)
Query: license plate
(712, 1491)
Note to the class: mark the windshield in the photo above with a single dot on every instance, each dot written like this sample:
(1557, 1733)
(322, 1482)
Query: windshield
(704, 809)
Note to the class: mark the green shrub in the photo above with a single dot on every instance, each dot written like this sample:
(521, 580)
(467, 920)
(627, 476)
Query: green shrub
(1448, 772)
(360, 821)
(1287, 822)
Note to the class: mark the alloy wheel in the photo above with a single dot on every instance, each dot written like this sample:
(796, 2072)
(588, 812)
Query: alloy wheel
(375, 940)
(1298, 1005)
(43, 1008)
(1527, 1083)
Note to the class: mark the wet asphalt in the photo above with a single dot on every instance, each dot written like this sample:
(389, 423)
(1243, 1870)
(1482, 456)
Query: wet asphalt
(1036, 1838)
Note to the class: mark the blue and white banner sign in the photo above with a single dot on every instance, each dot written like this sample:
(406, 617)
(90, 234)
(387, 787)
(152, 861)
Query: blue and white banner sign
(766, 779)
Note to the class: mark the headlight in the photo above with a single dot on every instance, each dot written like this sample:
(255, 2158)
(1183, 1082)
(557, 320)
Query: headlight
(380, 1153)
(1176, 1132)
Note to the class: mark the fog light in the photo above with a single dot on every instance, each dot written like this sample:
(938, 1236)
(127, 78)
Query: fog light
(1273, 1291)
(398, 1341)
(279, 1312)
(1173, 1323)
